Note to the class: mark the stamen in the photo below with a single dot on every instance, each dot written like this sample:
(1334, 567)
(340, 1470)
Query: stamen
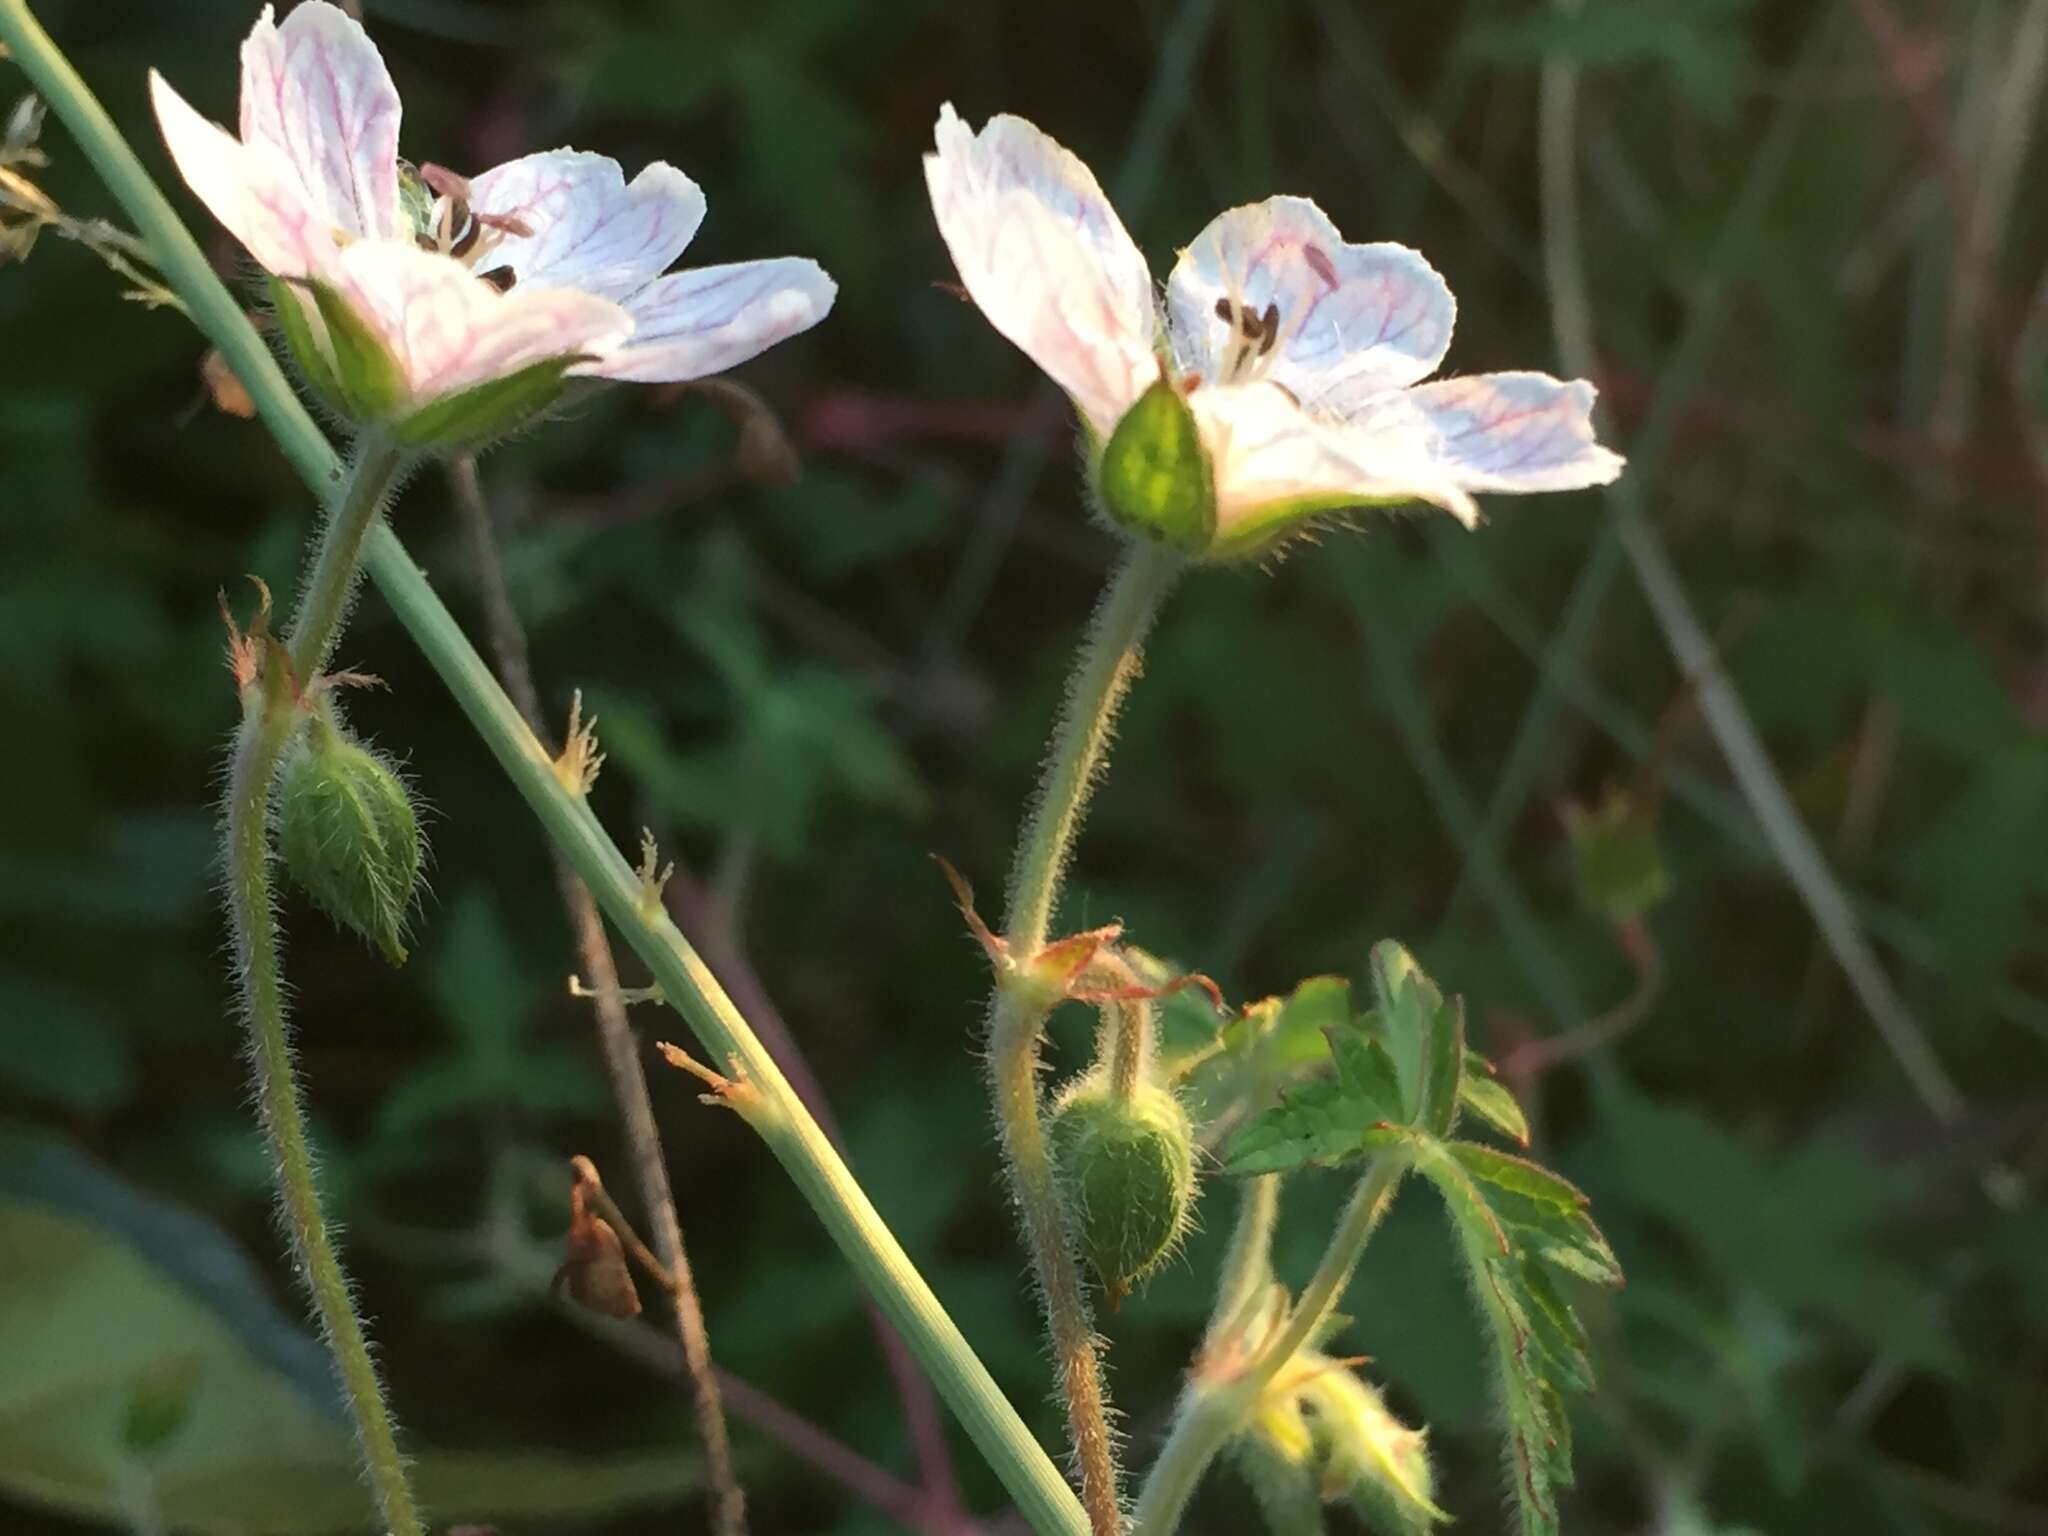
(500, 278)
(1224, 312)
(1270, 324)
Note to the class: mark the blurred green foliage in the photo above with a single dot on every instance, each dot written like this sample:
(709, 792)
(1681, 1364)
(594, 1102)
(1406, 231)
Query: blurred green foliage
(1828, 1326)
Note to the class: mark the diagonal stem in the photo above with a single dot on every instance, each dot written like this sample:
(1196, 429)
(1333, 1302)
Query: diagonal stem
(614, 1032)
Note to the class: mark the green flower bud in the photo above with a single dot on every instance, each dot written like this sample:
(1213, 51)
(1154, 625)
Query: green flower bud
(350, 835)
(1368, 1456)
(1127, 1171)
(1618, 857)
(1155, 477)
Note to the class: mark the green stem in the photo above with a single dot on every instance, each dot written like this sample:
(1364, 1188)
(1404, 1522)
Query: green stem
(259, 747)
(1248, 1265)
(1016, 1025)
(1212, 1410)
(1108, 663)
(884, 1269)
(332, 577)
(1131, 1047)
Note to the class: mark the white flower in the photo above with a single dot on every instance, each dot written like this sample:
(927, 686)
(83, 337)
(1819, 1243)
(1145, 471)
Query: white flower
(465, 282)
(1300, 357)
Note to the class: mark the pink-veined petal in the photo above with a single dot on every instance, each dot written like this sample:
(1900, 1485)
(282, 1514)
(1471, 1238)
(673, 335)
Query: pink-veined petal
(1349, 321)
(249, 188)
(590, 229)
(1516, 432)
(708, 319)
(1265, 450)
(451, 330)
(1039, 248)
(315, 90)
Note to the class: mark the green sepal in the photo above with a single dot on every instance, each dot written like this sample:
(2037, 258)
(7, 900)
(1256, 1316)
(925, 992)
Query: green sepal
(1154, 477)
(305, 347)
(470, 418)
(1255, 532)
(368, 383)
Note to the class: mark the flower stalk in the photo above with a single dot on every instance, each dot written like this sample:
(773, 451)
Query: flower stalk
(1109, 661)
(273, 717)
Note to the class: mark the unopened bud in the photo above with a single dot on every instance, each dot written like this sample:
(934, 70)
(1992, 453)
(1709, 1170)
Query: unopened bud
(1127, 1171)
(350, 835)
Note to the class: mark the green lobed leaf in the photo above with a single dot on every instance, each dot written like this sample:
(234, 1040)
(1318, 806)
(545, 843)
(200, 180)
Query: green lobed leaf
(1407, 1009)
(1516, 1221)
(368, 380)
(1154, 477)
(1488, 1098)
(1443, 1068)
(1317, 1123)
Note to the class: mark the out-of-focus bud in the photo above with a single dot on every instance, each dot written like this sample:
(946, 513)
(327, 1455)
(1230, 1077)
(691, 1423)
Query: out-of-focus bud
(1127, 1172)
(350, 835)
(1618, 859)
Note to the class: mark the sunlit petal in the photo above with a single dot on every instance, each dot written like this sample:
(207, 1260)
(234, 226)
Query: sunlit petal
(1516, 432)
(1039, 248)
(1271, 290)
(590, 229)
(450, 330)
(316, 91)
(1268, 452)
(250, 189)
(709, 319)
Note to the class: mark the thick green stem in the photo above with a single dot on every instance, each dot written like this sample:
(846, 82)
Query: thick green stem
(1212, 1410)
(1109, 660)
(261, 744)
(880, 1262)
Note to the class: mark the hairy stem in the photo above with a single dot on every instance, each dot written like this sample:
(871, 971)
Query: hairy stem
(1213, 1409)
(1248, 1264)
(615, 1034)
(1108, 662)
(259, 747)
(1107, 666)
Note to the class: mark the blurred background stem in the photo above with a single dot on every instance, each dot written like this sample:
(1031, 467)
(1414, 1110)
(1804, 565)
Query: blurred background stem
(615, 1033)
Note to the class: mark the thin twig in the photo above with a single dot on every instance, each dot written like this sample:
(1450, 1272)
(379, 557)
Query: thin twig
(621, 1049)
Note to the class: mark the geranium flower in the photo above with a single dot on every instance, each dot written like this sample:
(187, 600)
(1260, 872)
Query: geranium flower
(1291, 361)
(554, 259)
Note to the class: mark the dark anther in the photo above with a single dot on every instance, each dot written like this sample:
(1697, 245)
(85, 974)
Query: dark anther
(468, 230)
(500, 278)
(1270, 324)
(1224, 311)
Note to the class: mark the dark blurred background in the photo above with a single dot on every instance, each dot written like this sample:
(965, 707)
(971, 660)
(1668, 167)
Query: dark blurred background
(1812, 234)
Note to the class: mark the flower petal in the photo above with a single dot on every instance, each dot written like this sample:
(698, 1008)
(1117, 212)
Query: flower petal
(708, 319)
(249, 188)
(590, 229)
(1516, 432)
(1351, 321)
(315, 89)
(450, 330)
(1273, 459)
(1042, 252)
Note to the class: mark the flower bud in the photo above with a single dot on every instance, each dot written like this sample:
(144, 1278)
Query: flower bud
(1154, 477)
(1127, 1172)
(1367, 1456)
(350, 836)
